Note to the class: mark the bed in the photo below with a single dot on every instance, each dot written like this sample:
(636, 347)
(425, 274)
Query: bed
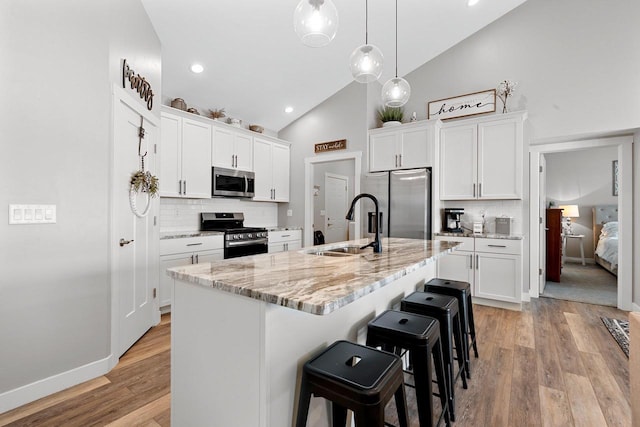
(605, 236)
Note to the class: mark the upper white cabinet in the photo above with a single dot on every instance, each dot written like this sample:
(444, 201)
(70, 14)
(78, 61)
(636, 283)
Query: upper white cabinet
(482, 158)
(232, 149)
(271, 166)
(185, 150)
(402, 147)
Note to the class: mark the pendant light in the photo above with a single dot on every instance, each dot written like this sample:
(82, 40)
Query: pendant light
(366, 61)
(396, 91)
(316, 22)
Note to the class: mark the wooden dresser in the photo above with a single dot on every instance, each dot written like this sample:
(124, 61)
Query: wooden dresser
(554, 244)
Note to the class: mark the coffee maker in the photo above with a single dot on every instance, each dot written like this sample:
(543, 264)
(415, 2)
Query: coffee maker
(452, 220)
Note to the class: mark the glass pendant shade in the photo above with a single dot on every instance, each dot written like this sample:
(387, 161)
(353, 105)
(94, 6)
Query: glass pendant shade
(366, 63)
(396, 92)
(315, 22)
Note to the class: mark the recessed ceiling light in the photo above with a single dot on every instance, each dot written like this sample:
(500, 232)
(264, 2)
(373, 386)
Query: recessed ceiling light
(472, 2)
(288, 110)
(197, 68)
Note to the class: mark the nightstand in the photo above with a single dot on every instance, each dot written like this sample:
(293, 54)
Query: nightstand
(566, 237)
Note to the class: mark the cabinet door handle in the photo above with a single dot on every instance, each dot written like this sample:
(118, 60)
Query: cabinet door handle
(474, 190)
(192, 259)
(471, 262)
(285, 235)
(477, 261)
(194, 244)
(274, 194)
(497, 246)
(480, 190)
(197, 259)
(400, 160)
(286, 246)
(180, 187)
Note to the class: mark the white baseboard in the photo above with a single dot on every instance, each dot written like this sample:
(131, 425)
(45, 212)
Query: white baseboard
(635, 307)
(497, 304)
(30, 392)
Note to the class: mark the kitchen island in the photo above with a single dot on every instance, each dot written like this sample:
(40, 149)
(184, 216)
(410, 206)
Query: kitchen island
(242, 328)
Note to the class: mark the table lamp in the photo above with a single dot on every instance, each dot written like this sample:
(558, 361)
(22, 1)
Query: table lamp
(570, 211)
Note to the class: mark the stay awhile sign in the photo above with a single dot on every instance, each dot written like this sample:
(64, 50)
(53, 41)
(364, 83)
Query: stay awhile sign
(340, 144)
(463, 105)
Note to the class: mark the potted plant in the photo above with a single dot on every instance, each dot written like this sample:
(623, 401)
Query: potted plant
(217, 113)
(145, 183)
(390, 116)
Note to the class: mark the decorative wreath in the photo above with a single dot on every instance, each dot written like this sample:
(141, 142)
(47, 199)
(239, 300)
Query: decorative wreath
(142, 182)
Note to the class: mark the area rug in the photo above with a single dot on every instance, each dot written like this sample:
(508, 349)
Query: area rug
(619, 329)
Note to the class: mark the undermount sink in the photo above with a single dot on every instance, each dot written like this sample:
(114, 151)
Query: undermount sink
(337, 252)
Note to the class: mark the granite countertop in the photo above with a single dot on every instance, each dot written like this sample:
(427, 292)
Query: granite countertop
(311, 283)
(481, 236)
(183, 234)
(283, 228)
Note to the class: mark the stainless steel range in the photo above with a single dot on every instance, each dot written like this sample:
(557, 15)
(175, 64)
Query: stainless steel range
(238, 240)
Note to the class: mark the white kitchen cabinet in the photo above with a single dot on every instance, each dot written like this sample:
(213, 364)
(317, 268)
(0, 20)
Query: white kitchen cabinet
(272, 170)
(185, 150)
(482, 158)
(185, 251)
(232, 149)
(493, 267)
(286, 240)
(402, 147)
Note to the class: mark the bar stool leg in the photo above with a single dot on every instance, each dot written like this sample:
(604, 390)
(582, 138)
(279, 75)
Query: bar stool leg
(424, 397)
(457, 336)
(339, 415)
(303, 403)
(472, 326)
(441, 377)
(401, 405)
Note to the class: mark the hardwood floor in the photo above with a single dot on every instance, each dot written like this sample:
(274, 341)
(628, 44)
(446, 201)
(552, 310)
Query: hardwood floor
(553, 364)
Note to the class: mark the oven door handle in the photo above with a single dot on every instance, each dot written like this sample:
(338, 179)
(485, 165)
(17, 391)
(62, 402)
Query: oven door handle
(231, 244)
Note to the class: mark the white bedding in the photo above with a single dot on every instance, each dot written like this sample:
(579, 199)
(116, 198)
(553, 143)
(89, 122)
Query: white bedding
(607, 248)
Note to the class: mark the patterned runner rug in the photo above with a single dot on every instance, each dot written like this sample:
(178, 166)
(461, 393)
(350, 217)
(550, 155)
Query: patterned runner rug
(620, 331)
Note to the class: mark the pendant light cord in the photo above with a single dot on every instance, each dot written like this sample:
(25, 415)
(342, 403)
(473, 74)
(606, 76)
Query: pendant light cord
(366, 21)
(396, 39)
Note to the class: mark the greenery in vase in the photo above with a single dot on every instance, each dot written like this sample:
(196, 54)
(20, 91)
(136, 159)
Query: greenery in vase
(390, 114)
(144, 182)
(217, 113)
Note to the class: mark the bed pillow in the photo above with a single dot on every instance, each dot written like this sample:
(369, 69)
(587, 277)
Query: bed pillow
(610, 229)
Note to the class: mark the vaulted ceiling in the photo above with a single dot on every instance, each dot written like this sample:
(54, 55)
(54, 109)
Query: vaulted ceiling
(255, 65)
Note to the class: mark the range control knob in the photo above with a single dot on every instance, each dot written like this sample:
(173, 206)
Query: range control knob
(249, 236)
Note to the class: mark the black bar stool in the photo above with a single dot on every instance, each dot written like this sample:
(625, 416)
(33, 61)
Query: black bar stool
(445, 309)
(354, 377)
(462, 291)
(420, 335)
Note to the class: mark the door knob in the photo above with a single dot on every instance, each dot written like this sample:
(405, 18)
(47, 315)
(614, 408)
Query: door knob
(125, 242)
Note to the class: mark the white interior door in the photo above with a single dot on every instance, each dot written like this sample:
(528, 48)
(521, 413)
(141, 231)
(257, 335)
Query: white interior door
(135, 264)
(542, 203)
(335, 205)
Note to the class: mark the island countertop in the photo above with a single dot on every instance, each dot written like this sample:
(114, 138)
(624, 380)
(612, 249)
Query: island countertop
(311, 283)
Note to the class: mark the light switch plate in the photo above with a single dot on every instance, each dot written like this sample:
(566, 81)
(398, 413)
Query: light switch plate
(289, 212)
(32, 214)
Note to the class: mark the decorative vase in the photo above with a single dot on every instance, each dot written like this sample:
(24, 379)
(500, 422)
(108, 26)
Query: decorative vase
(391, 123)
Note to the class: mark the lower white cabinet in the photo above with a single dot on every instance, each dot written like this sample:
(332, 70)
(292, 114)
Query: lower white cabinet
(185, 251)
(286, 240)
(493, 267)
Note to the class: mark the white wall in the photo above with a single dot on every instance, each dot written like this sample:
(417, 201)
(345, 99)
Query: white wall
(59, 61)
(343, 116)
(582, 178)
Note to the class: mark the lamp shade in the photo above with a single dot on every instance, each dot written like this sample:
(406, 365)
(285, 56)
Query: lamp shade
(396, 92)
(315, 22)
(366, 63)
(570, 211)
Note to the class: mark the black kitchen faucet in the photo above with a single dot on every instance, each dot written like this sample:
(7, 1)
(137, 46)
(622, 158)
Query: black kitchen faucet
(376, 245)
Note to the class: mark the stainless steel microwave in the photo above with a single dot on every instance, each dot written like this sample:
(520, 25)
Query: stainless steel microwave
(232, 183)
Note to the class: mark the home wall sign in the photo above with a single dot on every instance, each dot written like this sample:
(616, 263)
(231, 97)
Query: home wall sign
(137, 83)
(340, 144)
(463, 105)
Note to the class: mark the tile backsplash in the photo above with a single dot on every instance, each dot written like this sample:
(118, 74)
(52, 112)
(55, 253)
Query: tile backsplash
(474, 209)
(184, 214)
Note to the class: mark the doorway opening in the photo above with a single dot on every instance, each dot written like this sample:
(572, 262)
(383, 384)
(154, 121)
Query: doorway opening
(325, 196)
(577, 176)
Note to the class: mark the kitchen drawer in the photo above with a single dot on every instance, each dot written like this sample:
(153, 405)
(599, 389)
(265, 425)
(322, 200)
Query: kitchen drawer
(499, 246)
(191, 244)
(284, 236)
(467, 242)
